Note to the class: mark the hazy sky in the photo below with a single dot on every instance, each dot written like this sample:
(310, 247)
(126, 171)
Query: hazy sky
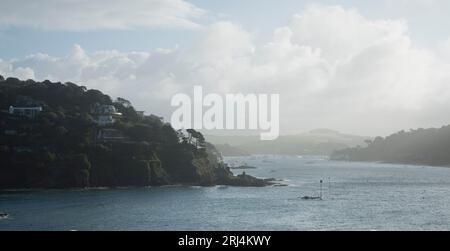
(364, 67)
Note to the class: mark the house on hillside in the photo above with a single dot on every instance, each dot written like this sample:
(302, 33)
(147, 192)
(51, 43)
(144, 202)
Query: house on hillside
(109, 134)
(106, 114)
(141, 114)
(26, 112)
(10, 132)
(105, 120)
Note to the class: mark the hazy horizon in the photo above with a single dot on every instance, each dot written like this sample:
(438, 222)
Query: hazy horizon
(368, 68)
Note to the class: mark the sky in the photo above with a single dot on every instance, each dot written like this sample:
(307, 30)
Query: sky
(362, 67)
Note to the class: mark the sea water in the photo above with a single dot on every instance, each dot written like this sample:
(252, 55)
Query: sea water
(356, 196)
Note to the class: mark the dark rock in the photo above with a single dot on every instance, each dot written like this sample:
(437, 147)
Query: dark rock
(245, 180)
(243, 167)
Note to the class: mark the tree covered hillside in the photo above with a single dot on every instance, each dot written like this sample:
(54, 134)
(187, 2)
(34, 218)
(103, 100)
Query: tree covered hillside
(421, 146)
(83, 138)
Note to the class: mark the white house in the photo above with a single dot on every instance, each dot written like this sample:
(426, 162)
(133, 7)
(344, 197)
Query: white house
(105, 120)
(105, 114)
(29, 112)
(141, 114)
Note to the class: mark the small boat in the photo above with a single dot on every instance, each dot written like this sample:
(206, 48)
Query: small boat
(314, 197)
(311, 198)
(3, 215)
(280, 185)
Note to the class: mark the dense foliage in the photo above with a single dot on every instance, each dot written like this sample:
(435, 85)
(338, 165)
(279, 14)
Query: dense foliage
(61, 147)
(421, 146)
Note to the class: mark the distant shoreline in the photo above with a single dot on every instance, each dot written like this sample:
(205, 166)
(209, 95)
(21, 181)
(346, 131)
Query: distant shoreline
(328, 157)
(394, 163)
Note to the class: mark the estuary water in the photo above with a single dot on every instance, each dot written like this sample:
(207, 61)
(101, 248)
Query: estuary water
(356, 196)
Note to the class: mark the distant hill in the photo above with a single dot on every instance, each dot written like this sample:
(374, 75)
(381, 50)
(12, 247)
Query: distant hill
(315, 142)
(422, 146)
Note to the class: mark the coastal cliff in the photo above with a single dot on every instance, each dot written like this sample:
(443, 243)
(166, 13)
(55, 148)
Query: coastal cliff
(61, 135)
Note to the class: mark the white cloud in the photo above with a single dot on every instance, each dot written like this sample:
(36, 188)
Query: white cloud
(99, 14)
(339, 32)
(344, 71)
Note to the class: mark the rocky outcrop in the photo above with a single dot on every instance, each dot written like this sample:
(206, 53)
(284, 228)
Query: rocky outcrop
(245, 180)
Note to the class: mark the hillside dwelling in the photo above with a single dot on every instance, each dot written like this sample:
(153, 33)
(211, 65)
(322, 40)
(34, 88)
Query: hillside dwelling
(22, 149)
(109, 135)
(105, 120)
(105, 114)
(141, 114)
(105, 110)
(27, 112)
(10, 132)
